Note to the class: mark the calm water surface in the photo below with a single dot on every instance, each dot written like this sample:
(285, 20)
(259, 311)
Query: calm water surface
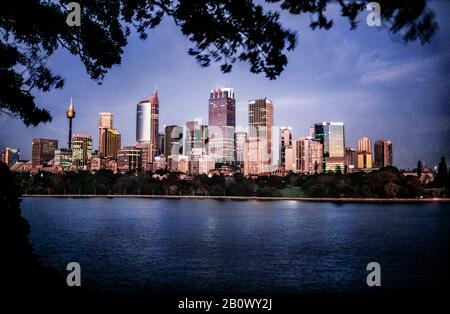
(242, 246)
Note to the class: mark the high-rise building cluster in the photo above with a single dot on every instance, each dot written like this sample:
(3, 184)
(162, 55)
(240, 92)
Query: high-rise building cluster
(219, 146)
(10, 156)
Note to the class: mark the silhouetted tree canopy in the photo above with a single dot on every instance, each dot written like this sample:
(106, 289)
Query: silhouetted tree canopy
(221, 31)
(442, 175)
(20, 267)
(104, 182)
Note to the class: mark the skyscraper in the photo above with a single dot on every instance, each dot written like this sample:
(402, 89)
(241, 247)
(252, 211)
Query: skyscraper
(382, 153)
(364, 145)
(240, 138)
(351, 159)
(10, 156)
(43, 150)
(252, 164)
(319, 131)
(105, 120)
(108, 137)
(196, 143)
(260, 118)
(161, 143)
(364, 153)
(290, 163)
(281, 138)
(147, 123)
(196, 139)
(332, 136)
(222, 121)
(309, 155)
(81, 151)
(110, 140)
(174, 142)
(388, 154)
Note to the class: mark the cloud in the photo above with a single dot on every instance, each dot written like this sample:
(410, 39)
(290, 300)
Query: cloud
(383, 72)
(325, 99)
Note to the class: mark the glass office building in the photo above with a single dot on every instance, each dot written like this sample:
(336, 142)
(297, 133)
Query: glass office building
(332, 136)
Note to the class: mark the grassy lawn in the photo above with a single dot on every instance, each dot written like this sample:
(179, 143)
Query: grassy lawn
(291, 191)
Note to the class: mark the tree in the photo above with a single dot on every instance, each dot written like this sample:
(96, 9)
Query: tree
(441, 176)
(442, 169)
(223, 31)
(20, 267)
(391, 189)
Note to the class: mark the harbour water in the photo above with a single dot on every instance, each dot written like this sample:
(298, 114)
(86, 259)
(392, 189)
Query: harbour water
(214, 246)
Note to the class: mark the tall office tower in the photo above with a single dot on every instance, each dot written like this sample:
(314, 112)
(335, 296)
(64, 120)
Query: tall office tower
(276, 149)
(281, 137)
(129, 159)
(351, 159)
(174, 142)
(364, 145)
(252, 163)
(43, 150)
(388, 154)
(196, 138)
(105, 120)
(70, 115)
(108, 137)
(319, 132)
(10, 156)
(332, 136)
(196, 144)
(110, 140)
(285, 140)
(260, 118)
(147, 124)
(291, 158)
(309, 155)
(161, 144)
(364, 153)
(222, 121)
(239, 138)
(382, 153)
(81, 151)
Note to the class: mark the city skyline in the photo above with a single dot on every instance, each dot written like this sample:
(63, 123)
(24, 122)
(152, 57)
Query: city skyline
(196, 148)
(389, 89)
(324, 132)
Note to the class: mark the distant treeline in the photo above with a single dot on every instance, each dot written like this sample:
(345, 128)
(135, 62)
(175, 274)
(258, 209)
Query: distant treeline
(387, 182)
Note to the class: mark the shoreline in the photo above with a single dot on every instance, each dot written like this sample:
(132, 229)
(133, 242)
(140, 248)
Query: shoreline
(251, 198)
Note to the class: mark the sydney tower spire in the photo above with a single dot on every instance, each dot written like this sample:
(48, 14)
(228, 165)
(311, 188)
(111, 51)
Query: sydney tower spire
(70, 116)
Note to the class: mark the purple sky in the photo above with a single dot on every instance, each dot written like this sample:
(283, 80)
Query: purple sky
(378, 87)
